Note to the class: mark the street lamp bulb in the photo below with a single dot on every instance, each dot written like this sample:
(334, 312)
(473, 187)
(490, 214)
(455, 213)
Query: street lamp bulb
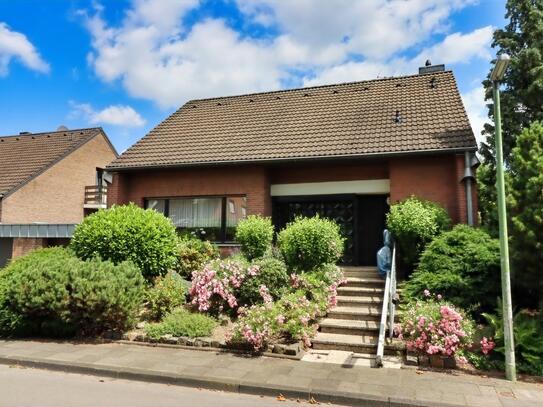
(502, 61)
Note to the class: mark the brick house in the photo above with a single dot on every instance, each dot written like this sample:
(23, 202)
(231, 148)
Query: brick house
(344, 151)
(48, 182)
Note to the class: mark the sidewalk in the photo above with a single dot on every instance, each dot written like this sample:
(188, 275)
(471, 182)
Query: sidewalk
(271, 376)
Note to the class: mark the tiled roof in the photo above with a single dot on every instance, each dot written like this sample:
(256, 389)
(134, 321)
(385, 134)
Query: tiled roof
(392, 115)
(24, 156)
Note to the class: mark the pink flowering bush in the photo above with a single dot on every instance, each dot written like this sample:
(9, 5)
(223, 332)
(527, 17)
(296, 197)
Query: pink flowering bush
(216, 286)
(435, 327)
(292, 317)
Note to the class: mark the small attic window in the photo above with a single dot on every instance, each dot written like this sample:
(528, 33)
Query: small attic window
(433, 83)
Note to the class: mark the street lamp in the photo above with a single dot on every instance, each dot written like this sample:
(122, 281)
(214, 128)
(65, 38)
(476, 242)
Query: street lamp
(496, 76)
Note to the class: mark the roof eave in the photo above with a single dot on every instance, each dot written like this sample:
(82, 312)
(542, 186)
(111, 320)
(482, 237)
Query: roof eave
(292, 159)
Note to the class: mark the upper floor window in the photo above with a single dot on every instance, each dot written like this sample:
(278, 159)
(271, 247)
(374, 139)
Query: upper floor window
(214, 218)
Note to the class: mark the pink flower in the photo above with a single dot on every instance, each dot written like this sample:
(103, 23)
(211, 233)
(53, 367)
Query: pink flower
(439, 297)
(426, 293)
(280, 319)
(487, 345)
(265, 294)
(462, 360)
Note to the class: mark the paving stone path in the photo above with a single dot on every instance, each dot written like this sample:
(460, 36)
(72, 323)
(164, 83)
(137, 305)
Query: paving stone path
(326, 382)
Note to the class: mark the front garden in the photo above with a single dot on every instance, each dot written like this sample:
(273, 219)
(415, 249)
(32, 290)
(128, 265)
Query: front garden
(127, 272)
(451, 307)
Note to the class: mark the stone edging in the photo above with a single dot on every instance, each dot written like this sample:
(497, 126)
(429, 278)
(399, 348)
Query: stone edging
(290, 351)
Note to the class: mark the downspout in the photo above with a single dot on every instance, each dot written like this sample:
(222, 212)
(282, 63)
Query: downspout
(468, 180)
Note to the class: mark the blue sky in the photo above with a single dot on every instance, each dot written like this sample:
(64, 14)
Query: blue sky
(126, 65)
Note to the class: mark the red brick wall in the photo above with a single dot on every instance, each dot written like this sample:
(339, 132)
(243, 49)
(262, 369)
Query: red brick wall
(436, 178)
(251, 181)
(22, 246)
(324, 172)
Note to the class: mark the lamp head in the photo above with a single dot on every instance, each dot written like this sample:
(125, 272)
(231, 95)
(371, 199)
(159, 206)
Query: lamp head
(502, 62)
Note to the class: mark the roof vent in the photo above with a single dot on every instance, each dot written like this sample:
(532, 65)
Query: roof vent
(433, 83)
(251, 100)
(219, 104)
(62, 128)
(397, 117)
(277, 97)
(306, 94)
(429, 68)
(335, 92)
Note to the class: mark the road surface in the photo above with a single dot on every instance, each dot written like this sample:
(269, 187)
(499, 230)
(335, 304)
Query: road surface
(25, 387)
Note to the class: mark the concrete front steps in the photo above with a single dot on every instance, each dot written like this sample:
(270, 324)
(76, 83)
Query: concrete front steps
(353, 325)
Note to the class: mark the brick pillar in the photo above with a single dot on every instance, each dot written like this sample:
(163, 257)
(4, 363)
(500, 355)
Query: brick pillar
(24, 245)
(117, 190)
(258, 193)
(462, 213)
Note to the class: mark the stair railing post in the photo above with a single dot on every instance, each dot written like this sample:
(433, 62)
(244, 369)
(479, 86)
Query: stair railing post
(391, 305)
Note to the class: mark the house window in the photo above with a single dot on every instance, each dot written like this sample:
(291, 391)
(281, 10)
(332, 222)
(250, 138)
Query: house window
(215, 218)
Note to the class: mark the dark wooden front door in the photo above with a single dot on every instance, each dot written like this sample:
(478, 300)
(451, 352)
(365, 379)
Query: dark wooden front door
(372, 210)
(360, 217)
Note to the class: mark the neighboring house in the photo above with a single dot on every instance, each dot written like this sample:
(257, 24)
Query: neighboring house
(48, 182)
(344, 151)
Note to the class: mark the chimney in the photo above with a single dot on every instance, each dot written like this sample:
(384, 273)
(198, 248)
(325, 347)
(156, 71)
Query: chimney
(429, 68)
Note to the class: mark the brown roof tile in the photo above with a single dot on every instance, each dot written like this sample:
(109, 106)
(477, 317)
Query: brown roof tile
(351, 119)
(24, 156)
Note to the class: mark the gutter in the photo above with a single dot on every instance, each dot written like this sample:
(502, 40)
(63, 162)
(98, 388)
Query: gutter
(468, 180)
(295, 159)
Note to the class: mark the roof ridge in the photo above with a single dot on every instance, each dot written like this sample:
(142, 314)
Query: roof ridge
(316, 87)
(52, 132)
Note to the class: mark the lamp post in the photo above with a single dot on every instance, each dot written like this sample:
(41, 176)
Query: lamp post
(496, 76)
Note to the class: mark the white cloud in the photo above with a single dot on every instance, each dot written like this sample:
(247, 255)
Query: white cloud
(460, 48)
(160, 59)
(456, 48)
(373, 28)
(117, 115)
(13, 44)
(476, 108)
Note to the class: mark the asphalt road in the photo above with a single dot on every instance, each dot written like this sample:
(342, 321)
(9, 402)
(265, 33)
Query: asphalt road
(21, 387)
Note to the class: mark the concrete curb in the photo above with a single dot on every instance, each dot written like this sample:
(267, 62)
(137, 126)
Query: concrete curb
(235, 386)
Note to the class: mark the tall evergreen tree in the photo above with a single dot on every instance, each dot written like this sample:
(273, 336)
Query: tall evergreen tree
(525, 201)
(521, 96)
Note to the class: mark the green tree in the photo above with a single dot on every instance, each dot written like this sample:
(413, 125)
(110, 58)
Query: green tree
(526, 211)
(521, 96)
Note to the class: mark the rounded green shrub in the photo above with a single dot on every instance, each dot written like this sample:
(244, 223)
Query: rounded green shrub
(414, 223)
(309, 243)
(51, 292)
(182, 323)
(272, 273)
(255, 235)
(165, 295)
(105, 296)
(145, 237)
(463, 265)
(193, 253)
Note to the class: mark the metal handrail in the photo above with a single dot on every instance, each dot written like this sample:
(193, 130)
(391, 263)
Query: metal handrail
(388, 310)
